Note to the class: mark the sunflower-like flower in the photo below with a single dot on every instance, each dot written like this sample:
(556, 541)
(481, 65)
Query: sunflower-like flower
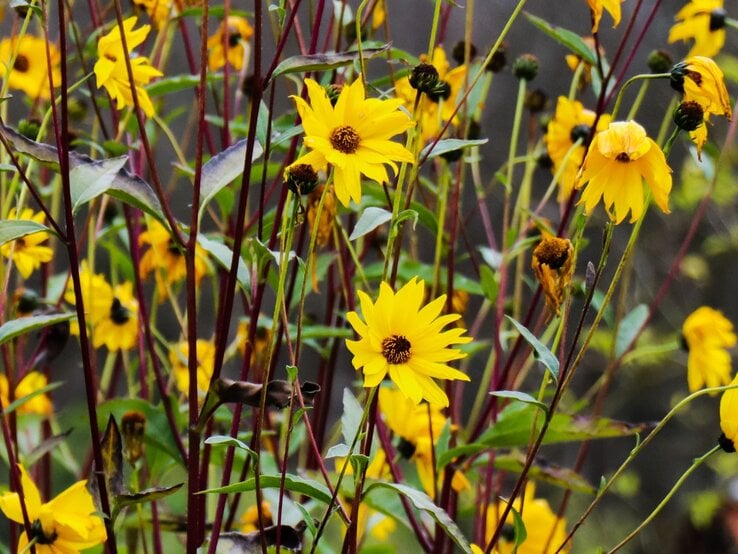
(27, 252)
(353, 136)
(567, 138)
(234, 32)
(178, 360)
(545, 531)
(402, 337)
(66, 524)
(159, 10)
(437, 107)
(166, 260)
(553, 264)
(704, 22)
(110, 68)
(729, 417)
(29, 70)
(33, 381)
(252, 515)
(111, 312)
(707, 335)
(618, 160)
(611, 6)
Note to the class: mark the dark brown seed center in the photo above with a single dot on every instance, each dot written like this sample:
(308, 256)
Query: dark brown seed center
(623, 157)
(396, 349)
(345, 139)
(21, 63)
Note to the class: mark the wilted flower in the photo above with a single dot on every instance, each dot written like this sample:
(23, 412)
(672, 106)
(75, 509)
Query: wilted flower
(553, 264)
(708, 334)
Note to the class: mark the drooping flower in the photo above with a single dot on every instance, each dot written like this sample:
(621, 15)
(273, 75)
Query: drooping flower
(567, 138)
(64, 525)
(166, 260)
(353, 136)
(708, 334)
(704, 22)
(611, 6)
(26, 252)
(29, 70)
(235, 31)
(401, 337)
(729, 417)
(159, 10)
(553, 264)
(545, 531)
(178, 360)
(619, 159)
(33, 381)
(110, 68)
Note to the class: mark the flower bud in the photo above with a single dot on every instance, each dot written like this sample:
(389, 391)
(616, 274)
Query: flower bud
(301, 178)
(689, 115)
(424, 78)
(133, 427)
(499, 59)
(535, 100)
(659, 61)
(459, 51)
(526, 67)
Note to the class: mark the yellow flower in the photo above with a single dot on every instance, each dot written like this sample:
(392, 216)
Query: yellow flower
(702, 21)
(570, 123)
(26, 252)
(353, 136)
(178, 357)
(159, 10)
(379, 15)
(29, 71)
(64, 525)
(553, 264)
(700, 80)
(250, 518)
(166, 260)
(618, 161)
(611, 6)
(729, 417)
(237, 31)
(110, 68)
(33, 381)
(402, 337)
(111, 313)
(708, 334)
(545, 531)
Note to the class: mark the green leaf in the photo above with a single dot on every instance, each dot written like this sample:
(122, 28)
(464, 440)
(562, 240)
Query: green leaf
(519, 528)
(542, 353)
(123, 500)
(17, 327)
(340, 450)
(629, 327)
(176, 83)
(88, 181)
(223, 255)
(324, 62)
(449, 145)
(225, 440)
(566, 38)
(423, 502)
(520, 397)
(15, 404)
(223, 168)
(542, 470)
(12, 229)
(489, 282)
(351, 417)
(369, 220)
(292, 483)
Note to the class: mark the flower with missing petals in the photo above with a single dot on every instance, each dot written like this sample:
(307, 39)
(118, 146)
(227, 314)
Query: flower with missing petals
(611, 6)
(553, 264)
(704, 22)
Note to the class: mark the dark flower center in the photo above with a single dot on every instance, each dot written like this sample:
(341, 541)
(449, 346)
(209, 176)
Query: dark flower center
(717, 19)
(173, 249)
(396, 349)
(234, 37)
(581, 132)
(725, 443)
(441, 91)
(406, 448)
(21, 63)
(119, 313)
(623, 157)
(345, 139)
(37, 532)
(553, 252)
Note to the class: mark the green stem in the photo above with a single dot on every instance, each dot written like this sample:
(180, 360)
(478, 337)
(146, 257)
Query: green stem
(621, 92)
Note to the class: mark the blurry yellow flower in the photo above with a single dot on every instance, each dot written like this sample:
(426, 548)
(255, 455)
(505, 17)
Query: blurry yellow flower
(704, 22)
(611, 6)
(237, 31)
(64, 525)
(553, 264)
(29, 71)
(26, 252)
(618, 161)
(402, 337)
(353, 136)
(166, 260)
(545, 531)
(159, 10)
(262, 338)
(708, 334)
(110, 68)
(570, 123)
(379, 15)
(33, 381)
(250, 518)
(729, 417)
(178, 357)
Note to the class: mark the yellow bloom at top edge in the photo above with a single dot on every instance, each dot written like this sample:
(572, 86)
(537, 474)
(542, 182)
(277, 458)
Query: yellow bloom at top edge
(707, 335)
(401, 337)
(111, 71)
(619, 159)
(702, 21)
(611, 6)
(29, 72)
(233, 31)
(729, 416)
(159, 10)
(66, 524)
(27, 252)
(353, 136)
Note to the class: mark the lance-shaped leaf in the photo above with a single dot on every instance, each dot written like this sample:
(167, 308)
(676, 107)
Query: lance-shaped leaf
(12, 229)
(223, 254)
(565, 37)
(541, 470)
(543, 354)
(290, 538)
(46, 446)
(152, 494)
(370, 219)
(17, 327)
(111, 448)
(324, 62)
(449, 145)
(88, 181)
(293, 483)
(125, 187)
